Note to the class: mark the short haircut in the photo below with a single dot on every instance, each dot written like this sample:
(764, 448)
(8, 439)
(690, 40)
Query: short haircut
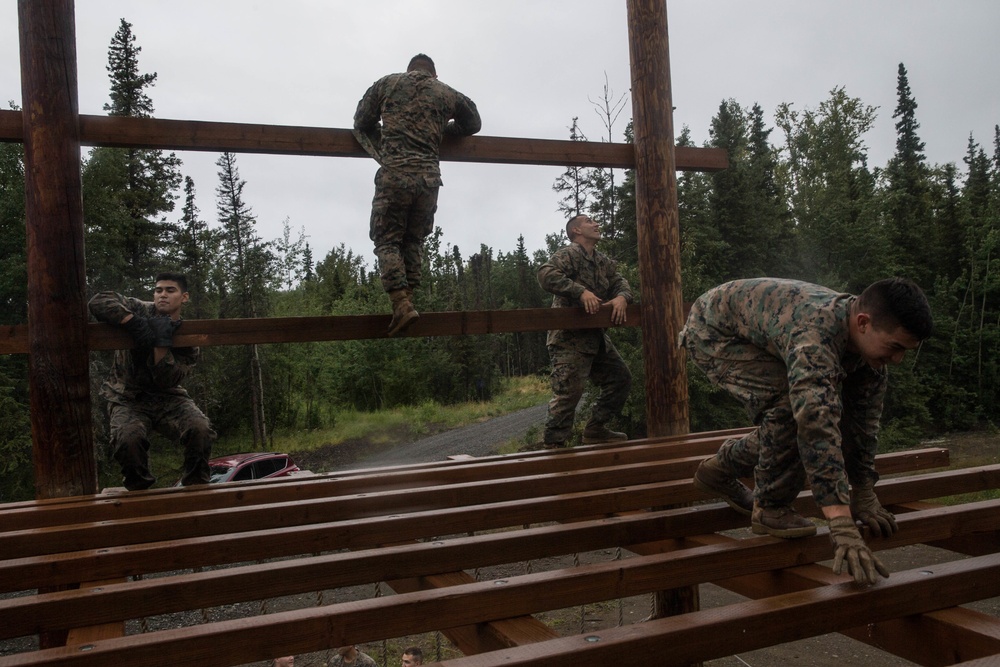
(571, 222)
(416, 652)
(421, 61)
(175, 276)
(898, 302)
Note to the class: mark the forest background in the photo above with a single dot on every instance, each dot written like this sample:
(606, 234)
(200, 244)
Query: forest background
(799, 200)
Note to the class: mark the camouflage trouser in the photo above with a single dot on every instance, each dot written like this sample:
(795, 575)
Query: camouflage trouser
(570, 371)
(176, 417)
(772, 452)
(402, 217)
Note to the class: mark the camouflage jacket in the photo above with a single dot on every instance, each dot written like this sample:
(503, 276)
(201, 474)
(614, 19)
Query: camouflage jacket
(133, 372)
(363, 660)
(836, 398)
(566, 275)
(416, 111)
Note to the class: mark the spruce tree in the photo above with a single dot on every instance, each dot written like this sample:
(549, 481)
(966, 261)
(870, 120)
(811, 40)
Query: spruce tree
(908, 208)
(195, 252)
(573, 184)
(127, 191)
(250, 268)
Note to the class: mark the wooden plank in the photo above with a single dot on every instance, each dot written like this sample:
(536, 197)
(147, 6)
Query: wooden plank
(480, 637)
(347, 505)
(106, 507)
(945, 585)
(738, 628)
(333, 142)
(173, 499)
(92, 633)
(176, 500)
(936, 638)
(129, 559)
(243, 331)
(162, 595)
(23, 543)
(213, 588)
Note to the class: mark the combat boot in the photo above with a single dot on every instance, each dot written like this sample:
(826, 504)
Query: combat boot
(594, 434)
(780, 522)
(403, 314)
(713, 478)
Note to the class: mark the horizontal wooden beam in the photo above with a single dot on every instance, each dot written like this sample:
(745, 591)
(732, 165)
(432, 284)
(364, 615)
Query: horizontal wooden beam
(934, 638)
(361, 529)
(836, 607)
(203, 333)
(87, 509)
(116, 507)
(356, 502)
(738, 628)
(192, 135)
(150, 597)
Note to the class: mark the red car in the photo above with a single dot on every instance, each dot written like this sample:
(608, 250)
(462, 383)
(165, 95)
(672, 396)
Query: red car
(243, 467)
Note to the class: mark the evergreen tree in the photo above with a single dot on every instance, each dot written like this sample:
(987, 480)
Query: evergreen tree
(13, 250)
(250, 268)
(908, 208)
(195, 252)
(572, 184)
(127, 191)
(307, 264)
(768, 213)
(16, 479)
(948, 237)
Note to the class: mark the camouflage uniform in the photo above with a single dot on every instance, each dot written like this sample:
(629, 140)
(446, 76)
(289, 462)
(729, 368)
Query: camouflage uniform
(144, 395)
(579, 354)
(415, 109)
(363, 660)
(781, 348)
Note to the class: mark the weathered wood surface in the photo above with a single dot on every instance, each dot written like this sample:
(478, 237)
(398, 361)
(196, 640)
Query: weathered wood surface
(58, 370)
(957, 633)
(657, 219)
(299, 535)
(336, 142)
(60, 554)
(738, 628)
(369, 562)
(14, 338)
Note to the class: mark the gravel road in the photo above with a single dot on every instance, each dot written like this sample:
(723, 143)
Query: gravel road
(475, 440)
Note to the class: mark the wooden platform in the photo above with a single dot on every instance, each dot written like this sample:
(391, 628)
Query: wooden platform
(425, 531)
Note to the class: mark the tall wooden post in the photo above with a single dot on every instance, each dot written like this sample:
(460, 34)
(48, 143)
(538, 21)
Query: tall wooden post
(659, 241)
(61, 429)
(657, 218)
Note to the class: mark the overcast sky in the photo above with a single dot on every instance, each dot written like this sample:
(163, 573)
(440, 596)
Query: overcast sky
(531, 66)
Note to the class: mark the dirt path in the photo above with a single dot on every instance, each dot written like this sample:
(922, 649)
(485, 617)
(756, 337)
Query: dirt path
(476, 440)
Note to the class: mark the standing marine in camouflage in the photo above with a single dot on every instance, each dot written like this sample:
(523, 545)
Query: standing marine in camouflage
(579, 275)
(143, 391)
(809, 365)
(416, 111)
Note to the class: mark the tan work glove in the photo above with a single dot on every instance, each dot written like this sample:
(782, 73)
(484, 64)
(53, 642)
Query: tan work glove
(868, 510)
(848, 546)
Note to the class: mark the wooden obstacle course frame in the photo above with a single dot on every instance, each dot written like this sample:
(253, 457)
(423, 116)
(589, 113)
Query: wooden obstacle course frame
(595, 495)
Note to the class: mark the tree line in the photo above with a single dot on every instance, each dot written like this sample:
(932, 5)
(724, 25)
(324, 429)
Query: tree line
(798, 200)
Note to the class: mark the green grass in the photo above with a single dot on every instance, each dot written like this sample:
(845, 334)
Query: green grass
(379, 428)
(387, 426)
